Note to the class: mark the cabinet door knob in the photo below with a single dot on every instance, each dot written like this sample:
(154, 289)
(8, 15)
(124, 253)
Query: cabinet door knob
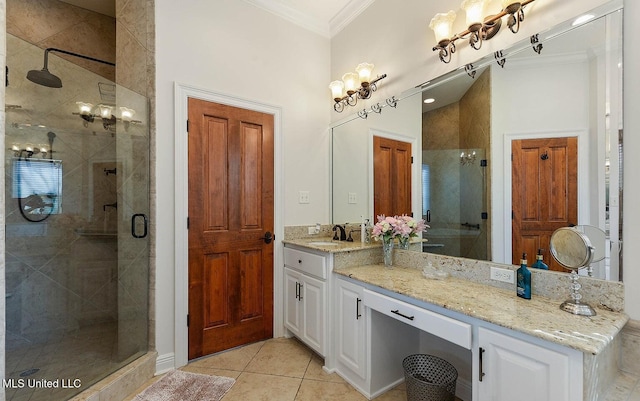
(480, 372)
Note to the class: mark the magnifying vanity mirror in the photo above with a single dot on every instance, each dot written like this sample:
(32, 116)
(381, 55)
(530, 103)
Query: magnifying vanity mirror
(504, 155)
(573, 250)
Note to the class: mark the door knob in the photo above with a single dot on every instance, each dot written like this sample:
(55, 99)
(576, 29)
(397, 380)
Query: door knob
(268, 237)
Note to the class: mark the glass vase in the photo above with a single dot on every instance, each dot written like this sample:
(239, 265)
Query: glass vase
(403, 243)
(387, 252)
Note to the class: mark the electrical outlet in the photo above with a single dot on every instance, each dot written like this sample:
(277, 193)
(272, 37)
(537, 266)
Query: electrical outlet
(353, 198)
(504, 275)
(303, 197)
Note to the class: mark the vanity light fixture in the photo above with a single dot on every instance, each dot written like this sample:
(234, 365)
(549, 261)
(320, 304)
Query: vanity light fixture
(28, 149)
(467, 158)
(88, 112)
(354, 86)
(479, 26)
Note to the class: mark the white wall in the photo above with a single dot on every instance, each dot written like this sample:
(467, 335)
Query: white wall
(231, 47)
(234, 48)
(352, 160)
(398, 41)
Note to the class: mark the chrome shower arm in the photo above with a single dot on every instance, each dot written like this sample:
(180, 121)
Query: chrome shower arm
(53, 49)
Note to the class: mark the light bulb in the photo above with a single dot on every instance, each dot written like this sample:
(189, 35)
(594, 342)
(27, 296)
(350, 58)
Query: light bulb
(336, 90)
(442, 26)
(126, 114)
(475, 13)
(85, 108)
(351, 81)
(105, 111)
(364, 72)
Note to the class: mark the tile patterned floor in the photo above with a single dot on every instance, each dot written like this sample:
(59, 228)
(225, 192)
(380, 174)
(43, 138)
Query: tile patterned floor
(279, 369)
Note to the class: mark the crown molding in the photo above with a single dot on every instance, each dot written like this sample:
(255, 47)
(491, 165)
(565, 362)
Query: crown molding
(325, 28)
(347, 14)
(292, 15)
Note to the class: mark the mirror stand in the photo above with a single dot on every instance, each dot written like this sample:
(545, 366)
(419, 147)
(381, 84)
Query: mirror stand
(574, 305)
(573, 250)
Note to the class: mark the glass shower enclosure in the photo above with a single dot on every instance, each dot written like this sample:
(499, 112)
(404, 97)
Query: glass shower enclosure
(454, 185)
(77, 252)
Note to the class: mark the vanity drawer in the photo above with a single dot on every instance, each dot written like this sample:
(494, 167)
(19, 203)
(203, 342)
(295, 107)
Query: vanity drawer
(306, 262)
(442, 326)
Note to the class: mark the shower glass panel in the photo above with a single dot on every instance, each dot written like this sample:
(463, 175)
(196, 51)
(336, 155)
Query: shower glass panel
(454, 202)
(77, 252)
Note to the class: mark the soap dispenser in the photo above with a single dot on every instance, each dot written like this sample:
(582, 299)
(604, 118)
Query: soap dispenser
(523, 279)
(367, 231)
(539, 264)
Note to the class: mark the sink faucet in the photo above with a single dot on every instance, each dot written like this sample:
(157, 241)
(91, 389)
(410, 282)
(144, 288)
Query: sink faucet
(343, 233)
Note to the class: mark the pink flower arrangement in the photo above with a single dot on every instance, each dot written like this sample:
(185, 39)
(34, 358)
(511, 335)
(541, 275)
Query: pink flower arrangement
(388, 228)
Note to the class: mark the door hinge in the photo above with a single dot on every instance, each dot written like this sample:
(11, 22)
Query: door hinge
(187, 223)
(411, 159)
(513, 215)
(188, 319)
(187, 126)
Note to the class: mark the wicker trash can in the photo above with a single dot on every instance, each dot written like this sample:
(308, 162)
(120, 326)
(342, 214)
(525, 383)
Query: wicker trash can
(429, 378)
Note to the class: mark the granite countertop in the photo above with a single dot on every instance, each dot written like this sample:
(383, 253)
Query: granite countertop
(325, 244)
(539, 317)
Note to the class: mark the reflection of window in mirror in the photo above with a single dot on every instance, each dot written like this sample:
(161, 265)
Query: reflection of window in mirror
(37, 184)
(426, 198)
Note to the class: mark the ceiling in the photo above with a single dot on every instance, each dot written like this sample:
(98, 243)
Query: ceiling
(325, 17)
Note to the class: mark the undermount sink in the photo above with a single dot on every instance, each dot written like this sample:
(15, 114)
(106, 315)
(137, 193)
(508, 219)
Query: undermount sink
(323, 243)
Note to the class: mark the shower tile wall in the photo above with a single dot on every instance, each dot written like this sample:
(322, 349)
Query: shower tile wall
(135, 71)
(60, 259)
(52, 23)
(80, 266)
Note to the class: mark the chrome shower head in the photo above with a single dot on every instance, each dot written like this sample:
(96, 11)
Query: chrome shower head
(45, 78)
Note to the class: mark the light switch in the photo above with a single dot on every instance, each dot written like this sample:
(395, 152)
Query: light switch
(353, 198)
(303, 197)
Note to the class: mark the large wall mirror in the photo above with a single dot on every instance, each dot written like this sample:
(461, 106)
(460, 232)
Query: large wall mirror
(505, 154)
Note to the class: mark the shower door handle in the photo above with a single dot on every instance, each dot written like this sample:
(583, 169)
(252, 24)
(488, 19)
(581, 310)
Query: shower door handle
(134, 234)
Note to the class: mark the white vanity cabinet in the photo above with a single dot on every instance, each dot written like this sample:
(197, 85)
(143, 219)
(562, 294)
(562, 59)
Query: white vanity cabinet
(350, 325)
(375, 328)
(513, 369)
(305, 293)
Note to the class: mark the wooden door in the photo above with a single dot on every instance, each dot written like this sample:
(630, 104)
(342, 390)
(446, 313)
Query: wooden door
(391, 177)
(544, 194)
(230, 210)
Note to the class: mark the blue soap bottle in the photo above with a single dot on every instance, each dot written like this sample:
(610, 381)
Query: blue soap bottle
(523, 279)
(539, 264)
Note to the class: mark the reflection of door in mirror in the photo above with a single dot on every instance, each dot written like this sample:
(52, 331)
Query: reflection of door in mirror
(391, 177)
(544, 194)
